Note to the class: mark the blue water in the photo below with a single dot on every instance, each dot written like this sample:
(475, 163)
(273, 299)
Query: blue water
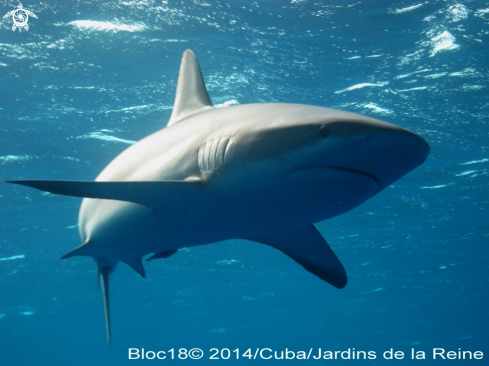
(91, 77)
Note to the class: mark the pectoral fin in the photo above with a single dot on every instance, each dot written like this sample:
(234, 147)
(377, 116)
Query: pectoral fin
(150, 194)
(308, 248)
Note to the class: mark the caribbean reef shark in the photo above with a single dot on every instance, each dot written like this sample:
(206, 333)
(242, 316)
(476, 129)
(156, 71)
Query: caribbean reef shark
(261, 172)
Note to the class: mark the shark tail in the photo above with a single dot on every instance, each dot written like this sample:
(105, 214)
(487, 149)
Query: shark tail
(135, 263)
(104, 278)
(104, 273)
(81, 250)
(98, 276)
(105, 266)
(86, 250)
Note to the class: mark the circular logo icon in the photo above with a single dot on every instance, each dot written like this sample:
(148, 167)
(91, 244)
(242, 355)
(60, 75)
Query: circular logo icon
(20, 18)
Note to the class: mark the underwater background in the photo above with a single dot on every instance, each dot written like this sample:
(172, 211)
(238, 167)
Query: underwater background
(89, 78)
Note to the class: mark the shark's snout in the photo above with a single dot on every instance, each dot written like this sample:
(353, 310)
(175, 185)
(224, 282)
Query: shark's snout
(390, 152)
(383, 150)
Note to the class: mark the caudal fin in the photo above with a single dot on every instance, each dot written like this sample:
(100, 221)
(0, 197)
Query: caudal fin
(104, 275)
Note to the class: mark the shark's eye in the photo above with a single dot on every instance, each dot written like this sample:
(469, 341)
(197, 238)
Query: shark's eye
(323, 132)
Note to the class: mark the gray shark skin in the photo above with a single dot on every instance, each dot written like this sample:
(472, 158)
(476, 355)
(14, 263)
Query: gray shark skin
(261, 172)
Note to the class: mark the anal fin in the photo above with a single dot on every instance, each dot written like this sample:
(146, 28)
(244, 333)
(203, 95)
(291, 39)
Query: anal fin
(164, 254)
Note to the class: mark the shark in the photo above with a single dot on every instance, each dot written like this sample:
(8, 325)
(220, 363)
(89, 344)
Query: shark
(264, 172)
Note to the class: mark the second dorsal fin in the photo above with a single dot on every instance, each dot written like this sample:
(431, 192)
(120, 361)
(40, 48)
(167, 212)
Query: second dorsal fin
(191, 93)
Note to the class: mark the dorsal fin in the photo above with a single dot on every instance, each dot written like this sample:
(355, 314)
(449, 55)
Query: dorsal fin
(191, 95)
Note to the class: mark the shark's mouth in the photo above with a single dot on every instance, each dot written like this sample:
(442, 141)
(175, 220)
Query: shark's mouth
(346, 178)
(371, 176)
(358, 172)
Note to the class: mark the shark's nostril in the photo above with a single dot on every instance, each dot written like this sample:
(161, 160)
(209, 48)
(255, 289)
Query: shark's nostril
(422, 161)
